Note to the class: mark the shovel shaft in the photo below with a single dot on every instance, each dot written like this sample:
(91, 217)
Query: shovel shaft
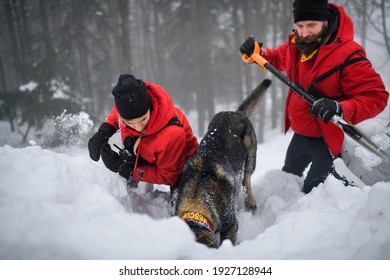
(348, 129)
(359, 137)
(264, 63)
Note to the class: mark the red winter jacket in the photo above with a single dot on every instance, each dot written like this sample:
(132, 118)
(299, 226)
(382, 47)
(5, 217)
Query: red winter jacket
(357, 87)
(165, 148)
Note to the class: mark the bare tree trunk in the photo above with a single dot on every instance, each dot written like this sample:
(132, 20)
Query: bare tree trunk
(274, 93)
(24, 134)
(125, 32)
(384, 23)
(238, 38)
(119, 11)
(49, 60)
(2, 76)
(146, 39)
(159, 45)
(286, 19)
(13, 39)
(364, 23)
(246, 24)
(152, 44)
(205, 96)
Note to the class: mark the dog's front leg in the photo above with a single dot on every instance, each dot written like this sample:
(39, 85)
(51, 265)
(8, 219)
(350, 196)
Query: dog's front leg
(250, 202)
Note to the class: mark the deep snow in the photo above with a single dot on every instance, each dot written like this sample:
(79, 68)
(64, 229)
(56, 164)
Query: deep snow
(59, 204)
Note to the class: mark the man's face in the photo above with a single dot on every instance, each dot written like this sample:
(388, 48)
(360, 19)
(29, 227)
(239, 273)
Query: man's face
(309, 34)
(309, 28)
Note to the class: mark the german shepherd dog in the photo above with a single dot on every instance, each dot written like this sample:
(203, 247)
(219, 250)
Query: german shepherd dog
(212, 177)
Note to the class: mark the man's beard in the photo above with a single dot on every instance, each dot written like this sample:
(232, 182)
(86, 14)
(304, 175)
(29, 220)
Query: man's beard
(310, 43)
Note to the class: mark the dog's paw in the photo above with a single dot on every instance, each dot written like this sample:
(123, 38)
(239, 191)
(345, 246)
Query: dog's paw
(250, 204)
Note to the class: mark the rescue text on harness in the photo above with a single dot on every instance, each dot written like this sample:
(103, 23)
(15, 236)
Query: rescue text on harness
(196, 217)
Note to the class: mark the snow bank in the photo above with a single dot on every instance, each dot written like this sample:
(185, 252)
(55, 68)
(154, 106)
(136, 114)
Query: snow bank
(62, 205)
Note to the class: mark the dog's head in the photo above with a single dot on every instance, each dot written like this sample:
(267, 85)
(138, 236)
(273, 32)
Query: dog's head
(202, 228)
(203, 234)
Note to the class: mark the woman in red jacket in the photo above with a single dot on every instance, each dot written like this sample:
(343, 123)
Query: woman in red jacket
(322, 56)
(156, 135)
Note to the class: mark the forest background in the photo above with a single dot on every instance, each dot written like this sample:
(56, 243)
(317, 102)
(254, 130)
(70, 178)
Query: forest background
(58, 55)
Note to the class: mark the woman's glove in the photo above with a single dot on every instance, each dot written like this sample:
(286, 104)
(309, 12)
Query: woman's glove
(101, 137)
(116, 163)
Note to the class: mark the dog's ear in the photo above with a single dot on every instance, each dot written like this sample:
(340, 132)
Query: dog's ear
(207, 237)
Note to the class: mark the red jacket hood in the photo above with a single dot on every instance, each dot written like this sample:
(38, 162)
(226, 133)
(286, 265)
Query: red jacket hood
(162, 109)
(344, 35)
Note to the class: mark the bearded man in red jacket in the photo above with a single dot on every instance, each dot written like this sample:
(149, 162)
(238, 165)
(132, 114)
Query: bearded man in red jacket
(322, 56)
(156, 135)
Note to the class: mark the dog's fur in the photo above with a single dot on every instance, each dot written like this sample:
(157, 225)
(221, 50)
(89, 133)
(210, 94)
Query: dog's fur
(212, 177)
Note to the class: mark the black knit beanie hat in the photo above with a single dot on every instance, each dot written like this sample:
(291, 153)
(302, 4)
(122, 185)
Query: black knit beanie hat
(310, 10)
(131, 99)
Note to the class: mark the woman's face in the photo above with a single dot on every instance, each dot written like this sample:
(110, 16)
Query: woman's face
(138, 124)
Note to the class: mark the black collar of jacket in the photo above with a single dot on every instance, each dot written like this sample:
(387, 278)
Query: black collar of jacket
(333, 25)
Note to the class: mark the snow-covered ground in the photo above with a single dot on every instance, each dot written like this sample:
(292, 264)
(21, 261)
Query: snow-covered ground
(59, 204)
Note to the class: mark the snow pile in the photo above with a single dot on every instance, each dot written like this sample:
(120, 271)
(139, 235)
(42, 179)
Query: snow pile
(29, 86)
(62, 205)
(69, 130)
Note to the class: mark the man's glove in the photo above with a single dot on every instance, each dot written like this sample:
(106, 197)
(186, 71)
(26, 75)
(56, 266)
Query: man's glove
(116, 163)
(326, 108)
(248, 47)
(101, 137)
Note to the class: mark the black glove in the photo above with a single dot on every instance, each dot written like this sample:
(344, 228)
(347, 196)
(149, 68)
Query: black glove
(249, 46)
(101, 137)
(129, 143)
(326, 108)
(116, 163)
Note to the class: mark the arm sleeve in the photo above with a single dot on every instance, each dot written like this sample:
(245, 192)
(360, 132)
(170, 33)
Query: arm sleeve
(170, 159)
(113, 118)
(277, 56)
(365, 95)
